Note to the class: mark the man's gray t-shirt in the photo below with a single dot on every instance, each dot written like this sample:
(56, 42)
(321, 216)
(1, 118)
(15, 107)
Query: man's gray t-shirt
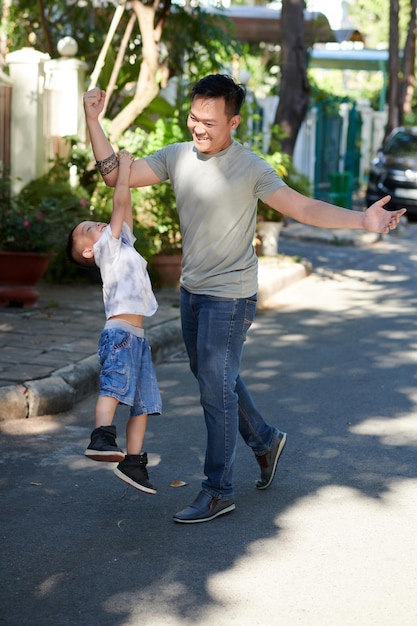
(217, 198)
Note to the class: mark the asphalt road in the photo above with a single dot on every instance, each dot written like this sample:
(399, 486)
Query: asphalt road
(331, 543)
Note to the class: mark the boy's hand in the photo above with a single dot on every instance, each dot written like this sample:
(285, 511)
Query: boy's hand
(125, 157)
(93, 101)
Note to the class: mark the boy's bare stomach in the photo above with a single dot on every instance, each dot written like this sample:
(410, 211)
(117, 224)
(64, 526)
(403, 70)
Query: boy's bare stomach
(134, 320)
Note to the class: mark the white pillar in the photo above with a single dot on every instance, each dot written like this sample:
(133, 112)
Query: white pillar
(65, 77)
(27, 160)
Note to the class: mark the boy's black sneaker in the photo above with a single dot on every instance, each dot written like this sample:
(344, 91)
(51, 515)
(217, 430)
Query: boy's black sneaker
(133, 471)
(103, 446)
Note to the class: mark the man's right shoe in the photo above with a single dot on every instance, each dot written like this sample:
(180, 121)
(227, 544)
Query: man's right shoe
(203, 509)
(103, 446)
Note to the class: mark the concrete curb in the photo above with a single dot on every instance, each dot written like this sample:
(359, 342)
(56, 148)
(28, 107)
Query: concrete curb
(276, 273)
(71, 384)
(67, 386)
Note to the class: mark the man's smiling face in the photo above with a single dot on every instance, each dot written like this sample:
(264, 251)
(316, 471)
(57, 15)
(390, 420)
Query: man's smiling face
(209, 125)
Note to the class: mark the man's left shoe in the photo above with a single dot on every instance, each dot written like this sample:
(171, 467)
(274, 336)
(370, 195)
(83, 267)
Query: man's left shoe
(268, 462)
(203, 509)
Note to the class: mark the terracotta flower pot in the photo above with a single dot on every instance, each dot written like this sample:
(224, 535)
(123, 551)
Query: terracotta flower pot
(168, 269)
(19, 274)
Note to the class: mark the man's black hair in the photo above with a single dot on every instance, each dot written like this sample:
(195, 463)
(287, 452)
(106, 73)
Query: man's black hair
(221, 86)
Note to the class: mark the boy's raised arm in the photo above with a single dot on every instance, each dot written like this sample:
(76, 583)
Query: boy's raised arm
(122, 199)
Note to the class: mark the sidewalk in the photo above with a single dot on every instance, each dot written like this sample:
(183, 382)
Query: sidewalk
(48, 357)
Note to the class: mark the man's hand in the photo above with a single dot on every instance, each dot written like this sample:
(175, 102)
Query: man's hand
(93, 101)
(376, 219)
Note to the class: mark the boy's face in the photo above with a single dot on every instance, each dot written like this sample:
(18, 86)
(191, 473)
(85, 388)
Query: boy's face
(89, 232)
(85, 236)
(209, 125)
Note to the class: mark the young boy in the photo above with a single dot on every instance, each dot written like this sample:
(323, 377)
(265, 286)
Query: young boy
(127, 372)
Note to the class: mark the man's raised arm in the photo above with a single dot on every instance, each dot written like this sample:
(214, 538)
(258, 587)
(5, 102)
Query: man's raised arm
(104, 154)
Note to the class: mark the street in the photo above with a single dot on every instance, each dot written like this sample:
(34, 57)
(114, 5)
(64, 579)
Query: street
(332, 542)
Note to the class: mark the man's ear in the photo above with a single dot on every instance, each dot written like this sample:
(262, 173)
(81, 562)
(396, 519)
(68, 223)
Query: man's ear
(235, 121)
(88, 253)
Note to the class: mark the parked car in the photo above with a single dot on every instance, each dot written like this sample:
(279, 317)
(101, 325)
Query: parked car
(394, 171)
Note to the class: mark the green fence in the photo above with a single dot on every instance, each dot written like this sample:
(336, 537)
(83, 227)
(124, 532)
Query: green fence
(337, 158)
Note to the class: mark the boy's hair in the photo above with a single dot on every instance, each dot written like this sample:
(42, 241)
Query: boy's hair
(72, 254)
(221, 86)
(70, 245)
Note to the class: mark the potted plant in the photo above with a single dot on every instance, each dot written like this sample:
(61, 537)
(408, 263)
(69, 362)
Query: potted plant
(33, 229)
(269, 221)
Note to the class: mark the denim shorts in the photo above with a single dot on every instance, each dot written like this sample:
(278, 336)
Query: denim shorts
(127, 371)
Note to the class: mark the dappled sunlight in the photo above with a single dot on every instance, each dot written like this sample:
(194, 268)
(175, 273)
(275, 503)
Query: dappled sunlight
(30, 426)
(308, 375)
(393, 360)
(49, 586)
(299, 562)
(184, 401)
(293, 338)
(371, 280)
(398, 431)
(321, 526)
(157, 599)
(265, 374)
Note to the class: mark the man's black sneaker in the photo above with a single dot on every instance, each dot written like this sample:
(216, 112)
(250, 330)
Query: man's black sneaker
(103, 446)
(133, 471)
(203, 509)
(268, 462)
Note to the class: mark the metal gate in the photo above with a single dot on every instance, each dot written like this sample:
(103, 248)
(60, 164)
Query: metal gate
(337, 152)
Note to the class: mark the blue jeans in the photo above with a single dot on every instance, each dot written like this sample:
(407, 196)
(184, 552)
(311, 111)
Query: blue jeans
(214, 331)
(127, 371)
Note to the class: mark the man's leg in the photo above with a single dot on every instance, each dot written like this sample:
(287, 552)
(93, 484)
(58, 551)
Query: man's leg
(266, 442)
(214, 331)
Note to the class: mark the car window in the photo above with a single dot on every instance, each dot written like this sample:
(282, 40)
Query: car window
(402, 144)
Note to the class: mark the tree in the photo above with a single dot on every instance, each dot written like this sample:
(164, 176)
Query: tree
(391, 22)
(148, 42)
(400, 69)
(393, 67)
(406, 87)
(294, 87)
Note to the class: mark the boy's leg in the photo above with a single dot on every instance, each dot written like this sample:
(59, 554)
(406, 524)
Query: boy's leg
(135, 433)
(133, 468)
(103, 446)
(105, 410)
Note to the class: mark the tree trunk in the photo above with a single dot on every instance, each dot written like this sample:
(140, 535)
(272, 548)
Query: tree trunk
(406, 88)
(147, 87)
(294, 89)
(393, 68)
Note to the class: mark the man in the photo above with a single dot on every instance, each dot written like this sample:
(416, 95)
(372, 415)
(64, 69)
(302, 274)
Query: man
(217, 184)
